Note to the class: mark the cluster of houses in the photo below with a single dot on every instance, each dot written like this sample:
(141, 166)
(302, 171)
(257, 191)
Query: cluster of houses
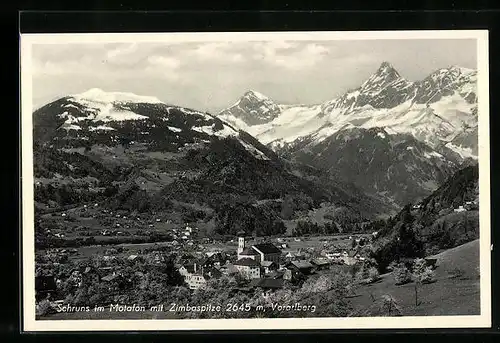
(469, 205)
(263, 265)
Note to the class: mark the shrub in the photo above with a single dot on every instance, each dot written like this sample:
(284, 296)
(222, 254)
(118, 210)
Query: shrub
(419, 266)
(367, 274)
(402, 275)
(373, 274)
(421, 272)
(389, 306)
(427, 276)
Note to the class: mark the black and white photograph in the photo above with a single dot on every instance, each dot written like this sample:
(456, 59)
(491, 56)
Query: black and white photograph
(176, 181)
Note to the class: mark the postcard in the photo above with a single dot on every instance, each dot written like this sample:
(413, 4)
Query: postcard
(255, 180)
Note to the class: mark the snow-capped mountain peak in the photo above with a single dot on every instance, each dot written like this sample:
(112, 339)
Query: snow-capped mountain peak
(386, 70)
(254, 94)
(385, 75)
(98, 95)
(253, 108)
(434, 110)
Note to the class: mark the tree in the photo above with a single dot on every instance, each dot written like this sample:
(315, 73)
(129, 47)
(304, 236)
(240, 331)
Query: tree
(389, 306)
(421, 272)
(373, 274)
(409, 245)
(401, 274)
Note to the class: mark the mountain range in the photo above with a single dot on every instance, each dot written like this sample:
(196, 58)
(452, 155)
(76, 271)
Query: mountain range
(395, 138)
(258, 164)
(137, 153)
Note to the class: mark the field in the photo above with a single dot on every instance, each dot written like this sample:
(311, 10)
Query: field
(455, 292)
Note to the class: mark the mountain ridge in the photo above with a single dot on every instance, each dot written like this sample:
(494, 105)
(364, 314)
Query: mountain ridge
(423, 104)
(439, 111)
(158, 156)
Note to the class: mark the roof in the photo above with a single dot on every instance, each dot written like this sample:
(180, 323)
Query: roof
(247, 262)
(276, 274)
(267, 263)
(320, 261)
(231, 268)
(267, 248)
(353, 253)
(267, 283)
(110, 277)
(212, 272)
(302, 264)
(217, 257)
(249, 251)
(189, 268)
(203, 261)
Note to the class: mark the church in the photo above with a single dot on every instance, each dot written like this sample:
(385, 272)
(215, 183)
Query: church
(258, 252)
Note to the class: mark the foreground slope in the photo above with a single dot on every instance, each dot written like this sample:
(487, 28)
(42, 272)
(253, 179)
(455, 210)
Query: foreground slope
(456, 290)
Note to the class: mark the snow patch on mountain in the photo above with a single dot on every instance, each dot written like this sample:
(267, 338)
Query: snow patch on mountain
(432, 154)
(101, 128)
(97, 95)
(253, 150)
(110, 113)
(71, 127)
(226, 131)
(174, 129)
(462, 151)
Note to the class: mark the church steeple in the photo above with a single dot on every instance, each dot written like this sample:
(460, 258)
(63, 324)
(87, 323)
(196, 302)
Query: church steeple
(241, 244)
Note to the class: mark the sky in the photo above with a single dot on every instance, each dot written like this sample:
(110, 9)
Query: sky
(211, 76)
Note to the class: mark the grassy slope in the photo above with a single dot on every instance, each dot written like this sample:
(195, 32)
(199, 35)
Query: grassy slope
(447, 296)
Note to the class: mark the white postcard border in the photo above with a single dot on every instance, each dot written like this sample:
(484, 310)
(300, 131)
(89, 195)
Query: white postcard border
(28, 272)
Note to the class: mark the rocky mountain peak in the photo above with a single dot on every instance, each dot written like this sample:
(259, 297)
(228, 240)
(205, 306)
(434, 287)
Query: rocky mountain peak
(253, 108)
(385, 75)
(255, 95)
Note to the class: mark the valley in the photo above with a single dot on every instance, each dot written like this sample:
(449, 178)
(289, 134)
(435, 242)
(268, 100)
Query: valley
(141, 201)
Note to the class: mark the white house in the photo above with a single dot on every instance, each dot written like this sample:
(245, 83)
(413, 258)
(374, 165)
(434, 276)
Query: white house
(332, 255)
(248, 268)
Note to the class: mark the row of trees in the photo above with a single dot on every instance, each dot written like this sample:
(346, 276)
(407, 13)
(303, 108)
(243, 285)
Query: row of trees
(308, 227)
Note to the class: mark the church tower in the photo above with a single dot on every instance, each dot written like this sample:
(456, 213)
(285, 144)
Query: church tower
(241, 245)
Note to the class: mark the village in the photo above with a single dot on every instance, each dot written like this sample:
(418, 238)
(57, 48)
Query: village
(269, 264)
(266, 263)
